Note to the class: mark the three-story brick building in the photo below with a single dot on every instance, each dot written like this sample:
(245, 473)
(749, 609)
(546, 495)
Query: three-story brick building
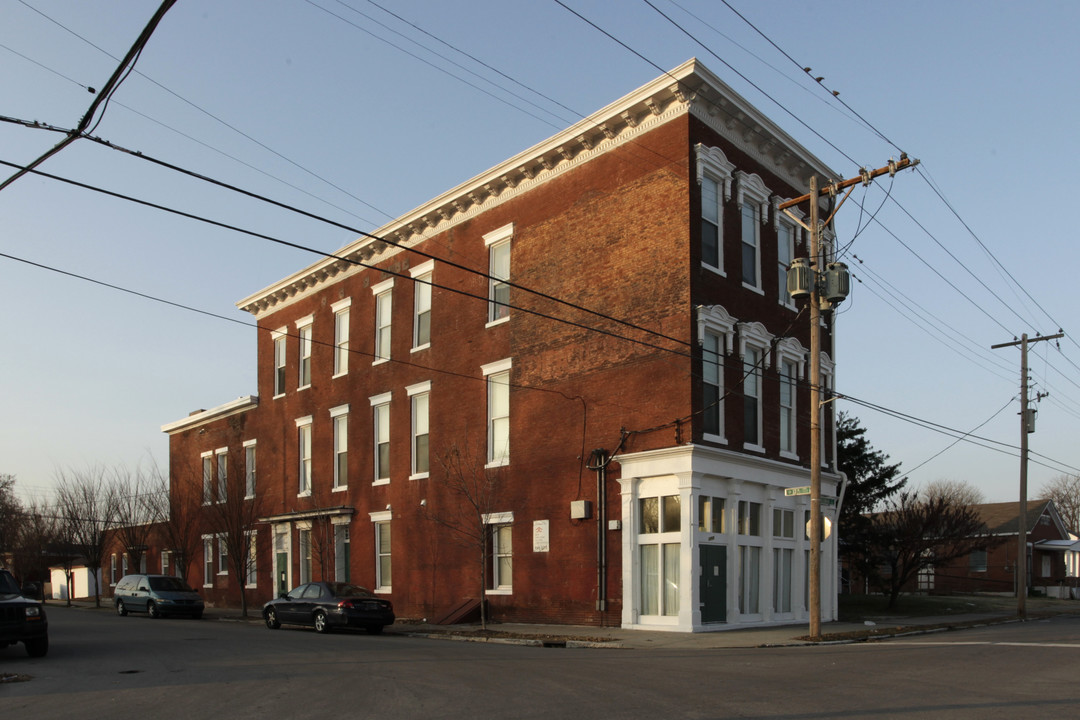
(585, 356)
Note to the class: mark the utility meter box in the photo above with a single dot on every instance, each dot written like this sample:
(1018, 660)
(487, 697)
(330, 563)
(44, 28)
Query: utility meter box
(580, 510)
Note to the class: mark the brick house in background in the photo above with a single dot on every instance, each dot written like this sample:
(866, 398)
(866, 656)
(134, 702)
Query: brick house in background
(994, 569)
(425, 342)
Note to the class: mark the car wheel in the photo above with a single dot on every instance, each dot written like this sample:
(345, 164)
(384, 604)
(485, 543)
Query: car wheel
(321, 626)
(270, 616)
(37, 647)
(152, 609)
(121, 609)
(374, 629)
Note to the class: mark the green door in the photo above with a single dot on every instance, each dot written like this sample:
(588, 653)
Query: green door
(713, 587)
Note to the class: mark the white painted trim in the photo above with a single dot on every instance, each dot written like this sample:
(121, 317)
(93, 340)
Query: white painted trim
(497, 236)
(496, 367)
(384, 286)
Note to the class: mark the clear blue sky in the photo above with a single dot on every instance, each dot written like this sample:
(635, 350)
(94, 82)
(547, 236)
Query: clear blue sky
(346, 111)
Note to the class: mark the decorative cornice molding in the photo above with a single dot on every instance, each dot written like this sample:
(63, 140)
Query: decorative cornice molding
(689, 88)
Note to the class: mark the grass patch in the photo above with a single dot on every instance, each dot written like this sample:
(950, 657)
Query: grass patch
(858, 608)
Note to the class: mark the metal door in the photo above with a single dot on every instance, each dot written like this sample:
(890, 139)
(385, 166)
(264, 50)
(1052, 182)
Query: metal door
(713, 586)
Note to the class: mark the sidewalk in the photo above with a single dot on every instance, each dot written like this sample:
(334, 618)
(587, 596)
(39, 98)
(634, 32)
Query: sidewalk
(584, 636)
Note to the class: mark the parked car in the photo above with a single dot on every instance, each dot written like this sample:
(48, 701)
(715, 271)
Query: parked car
(157, 596)
(22, 618)
(326, 605)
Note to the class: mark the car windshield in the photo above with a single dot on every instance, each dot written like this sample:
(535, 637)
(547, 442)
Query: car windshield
(168, 584)
(8, 585)
(346, 590)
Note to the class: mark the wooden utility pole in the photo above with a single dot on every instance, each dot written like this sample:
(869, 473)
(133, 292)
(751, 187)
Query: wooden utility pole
(1025, 428)
(816, 265)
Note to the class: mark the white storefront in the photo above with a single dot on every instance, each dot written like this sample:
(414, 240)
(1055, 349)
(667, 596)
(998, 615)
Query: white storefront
(710, 541)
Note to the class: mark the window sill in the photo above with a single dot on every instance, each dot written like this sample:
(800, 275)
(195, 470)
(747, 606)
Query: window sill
(250, 497)
(504, 462)
(713, 269)
(380, 361)
(306, 493)
(382, 591)
(279, 395)
(753, 288)
(251, 586)
(500, 591)
(420, 476)
(208, 585)
(500, 321)
(303, 387)
(788, 455)
(754, 448)
(340, 374)
(381, 481)
(340, 488)
(223, 573)
(418, 348)
(714, 438)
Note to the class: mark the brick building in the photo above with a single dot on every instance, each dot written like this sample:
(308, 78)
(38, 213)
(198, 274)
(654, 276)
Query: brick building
(619, 286)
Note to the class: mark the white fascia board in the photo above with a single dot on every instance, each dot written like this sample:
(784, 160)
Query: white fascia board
(239, 405)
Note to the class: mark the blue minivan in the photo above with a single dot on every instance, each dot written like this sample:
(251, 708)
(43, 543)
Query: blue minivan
(157, 596)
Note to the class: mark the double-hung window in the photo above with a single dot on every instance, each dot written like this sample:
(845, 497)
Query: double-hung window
(222, 458)
(714, 173)
(716, 330)
(754, 342)
(501, 538)
(785, 253)
(753, 201)
(250, 566)
(207, 477)
(303, 434)
(303, 329)
(249, 469)
(498, 412)
(304, 537)
(380, 410)
(341, 336)
(422, 304)
(384, 295)
(498, 245)
(791, 358)
(383, 562)
(280, 338)
(419, 395)
(339, 416)
(222, 556)
(208, 560)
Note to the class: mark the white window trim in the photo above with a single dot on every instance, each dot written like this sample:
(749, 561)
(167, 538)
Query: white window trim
(304, 323)
(340, 484)
(500, 518)
(499, 366)
(247, 483)
(275, 335)
(253, 555)
(751, 190)
(377, 518)
(222, 548)
(208, 480)
(386, 287)
(754, 335)
(221, 459)
(305, 421)
(796, 240)
(505, 234)
(423, 388)
(421, 274)
(208, 578)
(378, 401)
(717, 320)
(340, 347)
(713, 163)
(791, 350)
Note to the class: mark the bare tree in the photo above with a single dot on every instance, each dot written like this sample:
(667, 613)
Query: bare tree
(914, 533)
(87, 503)
(234, 518)
(11, 512)
(134, 513)
(957, 492)
(176, 511)
(36, 541)
(1064, 490)
(473, 495)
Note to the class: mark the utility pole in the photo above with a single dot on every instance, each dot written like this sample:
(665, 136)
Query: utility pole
(1025, 428)
(805, 282)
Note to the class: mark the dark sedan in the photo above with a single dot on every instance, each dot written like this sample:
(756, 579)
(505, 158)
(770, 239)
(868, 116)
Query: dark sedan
(326, 605)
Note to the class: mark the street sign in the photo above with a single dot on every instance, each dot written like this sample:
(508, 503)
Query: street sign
(828, 502)
(791, 492)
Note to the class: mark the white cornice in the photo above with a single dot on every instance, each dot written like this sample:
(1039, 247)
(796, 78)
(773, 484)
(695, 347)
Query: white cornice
(688, 88)
(239, 405)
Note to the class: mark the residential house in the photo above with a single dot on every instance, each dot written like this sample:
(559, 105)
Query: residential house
(588, 352)
(994, 569)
